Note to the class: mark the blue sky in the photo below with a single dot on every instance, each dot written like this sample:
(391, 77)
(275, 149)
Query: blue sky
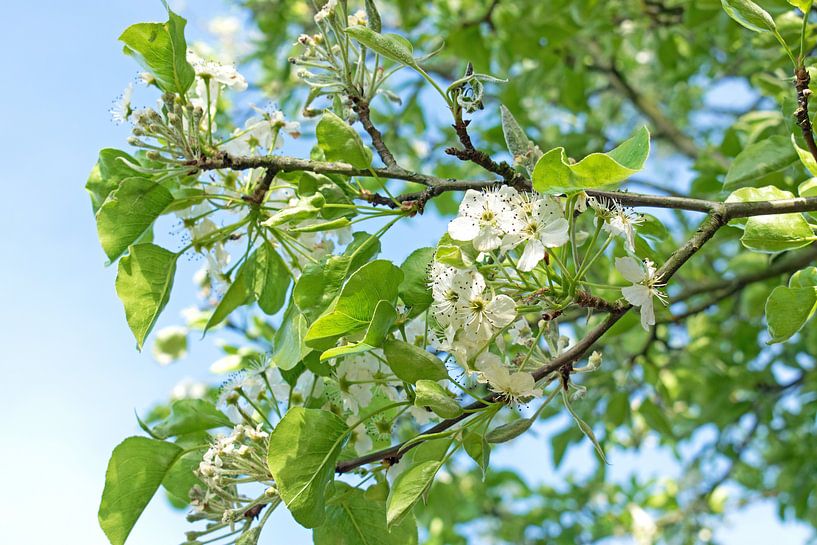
(72, 377)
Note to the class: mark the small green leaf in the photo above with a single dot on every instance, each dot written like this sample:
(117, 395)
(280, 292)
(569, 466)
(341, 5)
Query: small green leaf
(337, 223)
(411, 363)
(340, 142)
(787, 311)
(805, 157)
(143, 284)
(162, 50)
(805, 278)
(478, 448)
(106, 175)
(373, 16)
(303, 449)
(555, 174)
(135, 471)
(288, 343)
(191, 416)
(749, 15)
(128, 212)
(271, 279)
(391, 46)
(430, 394)
(760, 159)
(407, 490)
(773, 233)
(381, 323)
(802, 5)
(239, 293)
(808, 188)
(414, 290)
(525, 153)
(355, 517)
(511, 430)
(303, 209)
(374, 282)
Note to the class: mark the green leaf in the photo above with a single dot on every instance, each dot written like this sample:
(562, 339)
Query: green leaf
(391, 46)
(511, 430)
(773, 233)
(135, 471)
(250, 537)
(381, 323)
(805, 278)
(288, 343)
(407, 490)
(239, 293)
(805, 157)
(430, 394)
(787, 311)
(373, 16)
(355, 517)
(525, 153)
(191, 416)
(655, 417)
(303, 209)
(106, 175)
(760, 159)
(802, 5)
(128, 212)
(414, 289)
(477, 447)
(181, 476)
(808, 188)
(303, 449)
(342, 143)
(319, 284)
(271, 279)
(411, 363)
(162, 50)
(749, 15)
(554, 173)
(143, 284)
(374, 282)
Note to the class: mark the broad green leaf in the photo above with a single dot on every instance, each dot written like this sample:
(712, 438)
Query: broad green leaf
(478, 448)
(135, 471)
(805, 157)
(319, 284)
(363, 248)
(805, 278)
(181, 476)
(414, 289)
(239, 293)
(374, 282)
(430, 394)
(288, 343)
(808, 188)
(411, 363)
(271, 279)
(106, 175)
(554, 173)
(143, 284)
(655, 417)
(128, 212)
(355, 517)
(511, 430)
(773, 233)
(787, 311)
(802, 5)
(525, 153)
(408, 488)
(391, 46)
(340, 142)
(162, 50)
(760, 159)
(379, 327)
(749, 15)
(191, 416)
(303, 449)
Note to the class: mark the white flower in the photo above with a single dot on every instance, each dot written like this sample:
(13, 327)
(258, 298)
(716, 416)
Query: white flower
(261, 131)
(621, 223)
(485, 216)
(512, 387)
(307, 386)
(122, 109)
(644, 288)
(187, 388)
(170, 344)
(357, 19)
(355, 381)
(327, 9)
(543, 226)
(215, 71)
(477, 314)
